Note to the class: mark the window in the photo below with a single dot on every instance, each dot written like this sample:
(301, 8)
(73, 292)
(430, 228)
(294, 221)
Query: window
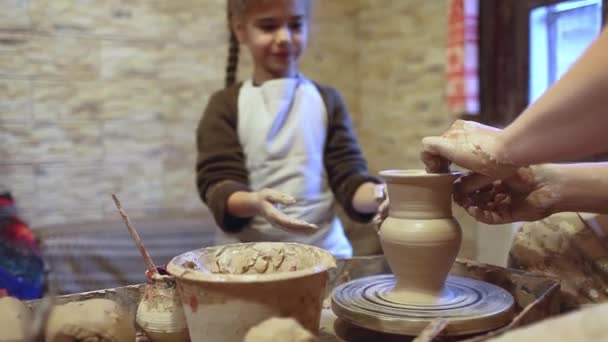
(525, 46)
(559, 34)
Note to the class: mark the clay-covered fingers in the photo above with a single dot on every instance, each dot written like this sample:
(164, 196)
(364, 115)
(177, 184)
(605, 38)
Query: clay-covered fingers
(468, 144)
(438, 153)
(283, 221)
(485, 199)
(434, 163)
(472, 182)
(469, 185)
(458, 150)
(521, 197)
(475, 181)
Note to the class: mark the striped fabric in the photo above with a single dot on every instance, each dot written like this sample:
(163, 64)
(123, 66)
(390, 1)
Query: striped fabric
(462, 58)
(21, 265)
(87, 257)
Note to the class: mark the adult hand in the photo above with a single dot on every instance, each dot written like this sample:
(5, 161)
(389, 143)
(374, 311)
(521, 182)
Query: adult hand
(468, 144)
(528, 195)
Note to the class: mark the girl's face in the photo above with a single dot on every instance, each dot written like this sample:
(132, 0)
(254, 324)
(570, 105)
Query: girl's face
(276, 33)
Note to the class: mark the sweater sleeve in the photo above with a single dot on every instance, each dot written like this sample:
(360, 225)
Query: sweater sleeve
(220, 164)
(345, 164)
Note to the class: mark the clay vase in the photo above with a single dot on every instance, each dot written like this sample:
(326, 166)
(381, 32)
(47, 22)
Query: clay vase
(160, 314)
(420, 238)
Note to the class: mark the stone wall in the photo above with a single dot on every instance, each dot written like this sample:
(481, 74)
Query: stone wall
(402, 86)
(402, 62)
(103, 96)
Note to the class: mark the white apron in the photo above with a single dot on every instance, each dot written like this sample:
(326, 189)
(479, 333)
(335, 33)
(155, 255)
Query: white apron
(282, 126)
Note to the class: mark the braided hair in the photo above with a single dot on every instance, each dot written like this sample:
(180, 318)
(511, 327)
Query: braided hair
(234, 7)
(232, 63)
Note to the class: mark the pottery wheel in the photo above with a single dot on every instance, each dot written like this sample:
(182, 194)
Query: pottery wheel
(470, 306)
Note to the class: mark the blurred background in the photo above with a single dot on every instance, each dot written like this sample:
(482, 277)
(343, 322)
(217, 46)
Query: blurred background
(103, 96)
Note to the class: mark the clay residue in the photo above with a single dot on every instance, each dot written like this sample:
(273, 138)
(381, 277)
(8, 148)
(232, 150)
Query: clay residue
(251, 261)
(279, 329)
(15, 317)
(90, 320)
(258, 258)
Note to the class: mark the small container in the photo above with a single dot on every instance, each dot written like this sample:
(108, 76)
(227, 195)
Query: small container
(160, 314)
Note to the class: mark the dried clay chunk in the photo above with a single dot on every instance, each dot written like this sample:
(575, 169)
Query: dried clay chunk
(279, 329)
(261, 258)
(90, 320)
(585, 325)
(14, 317)
(564, 247)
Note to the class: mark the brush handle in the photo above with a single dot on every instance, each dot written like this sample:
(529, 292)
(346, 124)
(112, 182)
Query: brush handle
(135, 236)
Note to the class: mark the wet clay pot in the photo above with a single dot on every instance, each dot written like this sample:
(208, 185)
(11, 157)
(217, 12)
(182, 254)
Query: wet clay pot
(420, 238)
(160, 314)
(227, 290)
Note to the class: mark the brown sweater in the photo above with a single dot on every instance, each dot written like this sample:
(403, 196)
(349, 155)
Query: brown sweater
(221, 170)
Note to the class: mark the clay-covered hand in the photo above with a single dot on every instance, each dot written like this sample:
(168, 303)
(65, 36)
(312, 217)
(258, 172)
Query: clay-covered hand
(468, 144)
(528, 195)
(269, 203)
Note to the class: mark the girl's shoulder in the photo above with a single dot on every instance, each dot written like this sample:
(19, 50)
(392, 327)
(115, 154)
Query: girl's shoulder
(326, 89)
(222, 103)
(331, 96)
(226, 95)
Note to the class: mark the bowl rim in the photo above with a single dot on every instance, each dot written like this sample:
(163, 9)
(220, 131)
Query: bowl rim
(175, 268)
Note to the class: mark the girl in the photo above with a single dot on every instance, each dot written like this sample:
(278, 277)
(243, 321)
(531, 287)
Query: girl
(280, 133)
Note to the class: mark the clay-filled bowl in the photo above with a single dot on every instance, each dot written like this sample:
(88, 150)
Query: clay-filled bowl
(226, 290)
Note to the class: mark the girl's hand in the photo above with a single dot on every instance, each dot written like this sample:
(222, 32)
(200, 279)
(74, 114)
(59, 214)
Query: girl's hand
(382, 213)
(372, 198)
(268, 203)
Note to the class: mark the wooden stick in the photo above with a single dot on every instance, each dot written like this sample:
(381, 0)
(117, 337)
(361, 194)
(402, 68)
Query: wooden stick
(37, 329)
(41, 313)
(135, 236)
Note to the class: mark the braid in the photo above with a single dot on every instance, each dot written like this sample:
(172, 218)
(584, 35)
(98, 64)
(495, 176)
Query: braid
(232, 62)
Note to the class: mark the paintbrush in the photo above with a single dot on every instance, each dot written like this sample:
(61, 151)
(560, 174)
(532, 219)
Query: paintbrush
(40, 318)
(140, 245)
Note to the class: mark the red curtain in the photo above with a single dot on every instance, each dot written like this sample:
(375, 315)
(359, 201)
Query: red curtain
(462, 58)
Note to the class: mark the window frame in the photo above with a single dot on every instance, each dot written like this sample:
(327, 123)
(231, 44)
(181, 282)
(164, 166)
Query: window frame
(504, 58)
